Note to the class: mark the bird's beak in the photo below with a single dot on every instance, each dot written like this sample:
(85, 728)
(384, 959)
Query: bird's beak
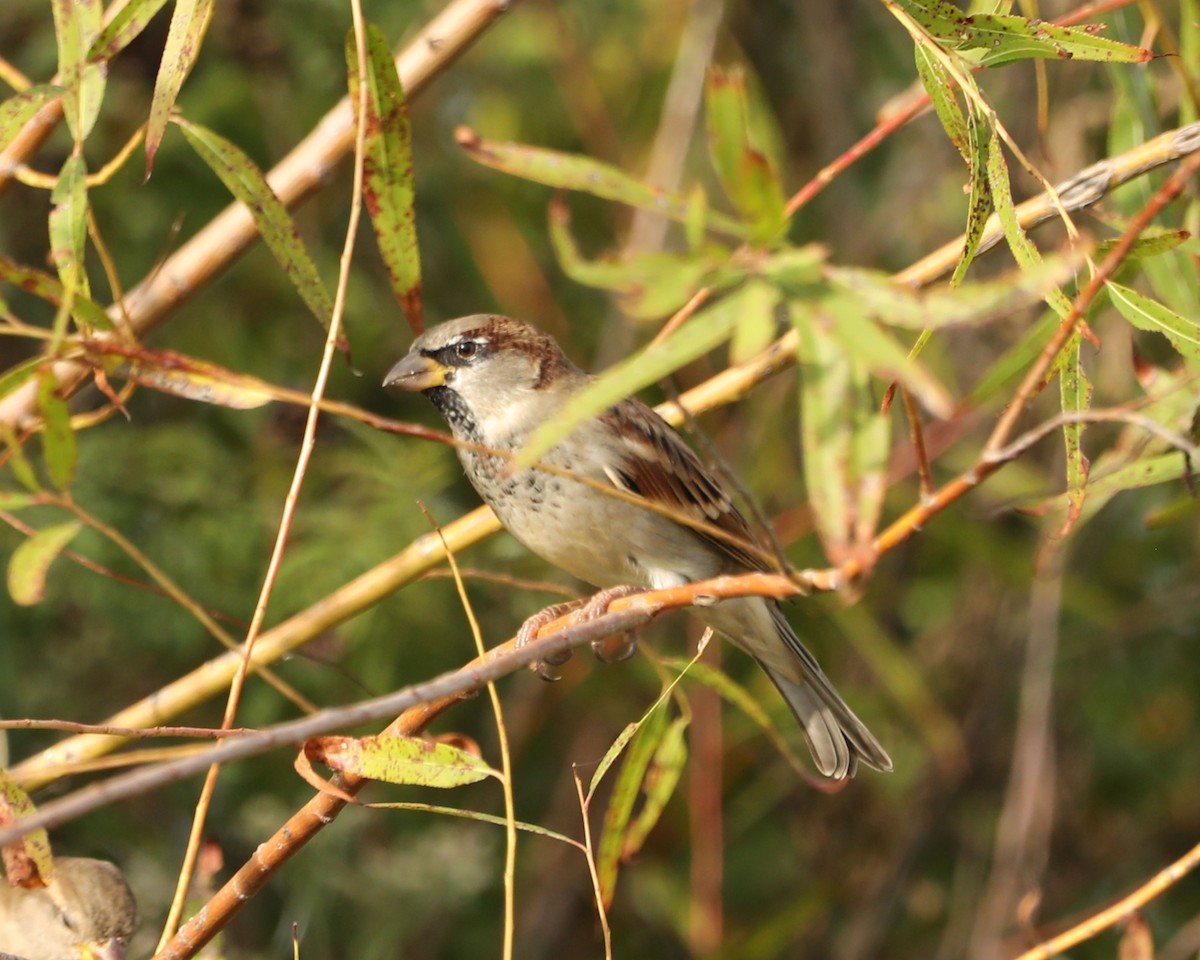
(415, 373)
(104, 950)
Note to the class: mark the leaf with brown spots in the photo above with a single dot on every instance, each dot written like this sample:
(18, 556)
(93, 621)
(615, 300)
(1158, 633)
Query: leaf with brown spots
(388, 169)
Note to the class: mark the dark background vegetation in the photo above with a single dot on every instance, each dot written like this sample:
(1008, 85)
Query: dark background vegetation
(934, 655)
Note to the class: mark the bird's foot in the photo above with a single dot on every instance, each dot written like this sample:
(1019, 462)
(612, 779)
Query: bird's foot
(612, 649)
(619, 647)
(532, 627)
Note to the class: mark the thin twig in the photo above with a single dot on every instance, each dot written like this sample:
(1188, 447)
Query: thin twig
(1114, 914)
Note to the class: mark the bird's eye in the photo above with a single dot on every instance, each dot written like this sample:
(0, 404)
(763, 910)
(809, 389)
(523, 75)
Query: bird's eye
(466, 349)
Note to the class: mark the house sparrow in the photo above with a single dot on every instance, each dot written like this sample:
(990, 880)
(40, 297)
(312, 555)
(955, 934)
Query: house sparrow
(495, 380)
(86, 912)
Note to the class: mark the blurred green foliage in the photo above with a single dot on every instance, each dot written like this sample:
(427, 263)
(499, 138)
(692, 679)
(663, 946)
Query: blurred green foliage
(932, 655)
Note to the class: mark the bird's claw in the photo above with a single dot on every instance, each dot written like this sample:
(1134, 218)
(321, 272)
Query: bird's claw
(614, 649)
(532, 627)
(617, 648)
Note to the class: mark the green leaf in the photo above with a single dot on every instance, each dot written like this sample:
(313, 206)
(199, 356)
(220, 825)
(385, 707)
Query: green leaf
(123, 29)
(1023, 250)
(746, 174)
(624, 795)
(979, 203)
(612, 754)
(14, 376)
(1151, 243)
(968, 304)
(704, 332)
(873, 347)
(406, 760)
(1150, 315)
(845, 438)
(12, 500)
(647, 285)
(659, 785)
(76, 23)
(86, 311)
(753, 305)
(185, 36)
(569, 171)
(824, 391)
(478, 817)
(1075, 390)
(28, 565)
(17, 461)
(17, 110)
(941, 88)
(58, 439)
(246, 182)
(1004, 38)
(68, 232)
(388, 169)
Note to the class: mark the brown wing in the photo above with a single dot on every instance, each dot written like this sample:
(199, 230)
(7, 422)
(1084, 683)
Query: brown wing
(661, 467)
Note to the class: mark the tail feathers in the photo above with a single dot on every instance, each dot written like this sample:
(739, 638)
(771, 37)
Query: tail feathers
(837, 738)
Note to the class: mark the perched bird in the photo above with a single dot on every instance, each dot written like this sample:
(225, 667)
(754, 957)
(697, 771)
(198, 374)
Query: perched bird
(86, 912)
(495, 380)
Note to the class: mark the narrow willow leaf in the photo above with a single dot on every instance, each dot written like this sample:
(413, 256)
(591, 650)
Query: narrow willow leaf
(124, 28)
(753, 305)
(68, 232)
(12, 500)
(796, 271)
(979, 203)
(246, 182)
(1075, 390)
(58, 439)
(185, 36)
(660, 782)
(647, 285)
(192, 379)
(478, 817)
(624, 795)
(704, 332)
(1152, 243)
(940, 87)
(870, 446)
(1143, 472)
(394, 759)
(1150, 315)
(35, 845)
(824, 390)
(18, 109)
(13, 377)
(76, 23)
(747, 175)
(1023, 250)
(31, 560)
(22, 470)
(569, 171)
(613, 754)
(388, 169)
(1007, 39)
(874, 348)
(86, 311)
(969, 304)
(1004, 38)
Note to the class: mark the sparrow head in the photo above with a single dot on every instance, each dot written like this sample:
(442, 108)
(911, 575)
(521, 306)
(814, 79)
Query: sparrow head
(86, 911)
(490, 376)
